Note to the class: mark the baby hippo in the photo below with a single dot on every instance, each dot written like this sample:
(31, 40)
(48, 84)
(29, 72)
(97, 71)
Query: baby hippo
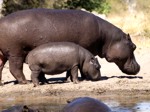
(57, 57)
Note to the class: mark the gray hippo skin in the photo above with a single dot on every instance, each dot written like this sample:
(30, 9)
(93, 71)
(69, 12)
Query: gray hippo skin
(86, 104)
(22, 31)
(57, 57)
(20, 108)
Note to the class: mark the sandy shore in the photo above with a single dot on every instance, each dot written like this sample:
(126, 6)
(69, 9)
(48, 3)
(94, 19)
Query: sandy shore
(113, 81)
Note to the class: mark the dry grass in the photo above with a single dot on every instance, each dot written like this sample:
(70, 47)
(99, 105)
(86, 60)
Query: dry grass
(130, 23)
(133, 18)
(137, 26)
(136, 22)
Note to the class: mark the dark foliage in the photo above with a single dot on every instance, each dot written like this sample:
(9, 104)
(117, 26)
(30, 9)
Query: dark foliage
(100, 6)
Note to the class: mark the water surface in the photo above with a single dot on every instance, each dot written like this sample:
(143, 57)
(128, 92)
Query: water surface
(49, 104)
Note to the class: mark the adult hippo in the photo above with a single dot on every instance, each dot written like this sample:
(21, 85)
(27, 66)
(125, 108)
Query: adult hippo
(22, 31)
(86, 104)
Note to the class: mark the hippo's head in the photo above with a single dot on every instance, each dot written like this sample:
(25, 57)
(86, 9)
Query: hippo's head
(27, 109)
(121, 52)
(91, 69)
(20, 108)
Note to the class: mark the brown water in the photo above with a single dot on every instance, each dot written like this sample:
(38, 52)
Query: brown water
(49, 104)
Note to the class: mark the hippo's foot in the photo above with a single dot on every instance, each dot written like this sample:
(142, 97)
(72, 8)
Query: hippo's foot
(36, 84)
(76, 81)
(1, 84)
(67, 80)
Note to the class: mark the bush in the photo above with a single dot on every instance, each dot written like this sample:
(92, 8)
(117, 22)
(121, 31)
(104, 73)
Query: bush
(101, 6)
(10, 6)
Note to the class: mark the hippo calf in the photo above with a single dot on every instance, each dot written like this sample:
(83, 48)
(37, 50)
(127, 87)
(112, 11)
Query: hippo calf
(86, 104)
(57, 57)
(20, 108)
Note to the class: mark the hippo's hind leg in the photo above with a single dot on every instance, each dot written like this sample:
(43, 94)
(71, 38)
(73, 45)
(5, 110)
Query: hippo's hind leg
(16, 68)
(42, 78)
(68, 76)
(74, 74)
(2, 63)
(35, 73)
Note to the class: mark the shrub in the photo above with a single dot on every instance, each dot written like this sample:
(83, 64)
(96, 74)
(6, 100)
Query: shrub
(10, 6)
(101, 6)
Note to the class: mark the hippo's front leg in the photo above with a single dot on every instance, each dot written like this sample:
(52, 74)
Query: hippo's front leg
(16, 68)
(74, 74)
(42, 78)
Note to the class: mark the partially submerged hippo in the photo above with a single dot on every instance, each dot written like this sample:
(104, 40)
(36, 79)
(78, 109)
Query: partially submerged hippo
(86, 104)
(20, 108)
(57, 57)
(22, 31)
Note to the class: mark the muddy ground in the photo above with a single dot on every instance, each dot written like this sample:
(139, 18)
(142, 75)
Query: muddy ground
(113, 81)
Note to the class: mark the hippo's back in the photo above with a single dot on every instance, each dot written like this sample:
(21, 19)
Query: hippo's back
(55, 52)
(34, 27)
(86, 104)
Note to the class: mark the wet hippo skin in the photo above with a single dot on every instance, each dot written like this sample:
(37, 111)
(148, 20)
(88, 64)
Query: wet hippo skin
(86, 104)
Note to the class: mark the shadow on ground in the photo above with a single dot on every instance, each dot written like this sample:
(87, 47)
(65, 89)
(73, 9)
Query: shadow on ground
(62, 79)
(121, 77)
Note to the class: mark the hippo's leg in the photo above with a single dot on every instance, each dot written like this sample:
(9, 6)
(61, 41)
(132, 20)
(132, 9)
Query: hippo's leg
(74, 74)
(83, 77)
(42, 78)
(16, 68)
(35, 72)
(68, 76)
(2, 63)
(34, 78)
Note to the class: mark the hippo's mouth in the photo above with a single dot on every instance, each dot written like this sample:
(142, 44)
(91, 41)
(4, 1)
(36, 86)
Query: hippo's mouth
(130, 67)
(94, 77)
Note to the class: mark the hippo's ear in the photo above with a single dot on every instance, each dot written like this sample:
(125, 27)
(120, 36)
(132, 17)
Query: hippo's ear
(128, 37)
(25, 109)
(95, 62)
(92, 60)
